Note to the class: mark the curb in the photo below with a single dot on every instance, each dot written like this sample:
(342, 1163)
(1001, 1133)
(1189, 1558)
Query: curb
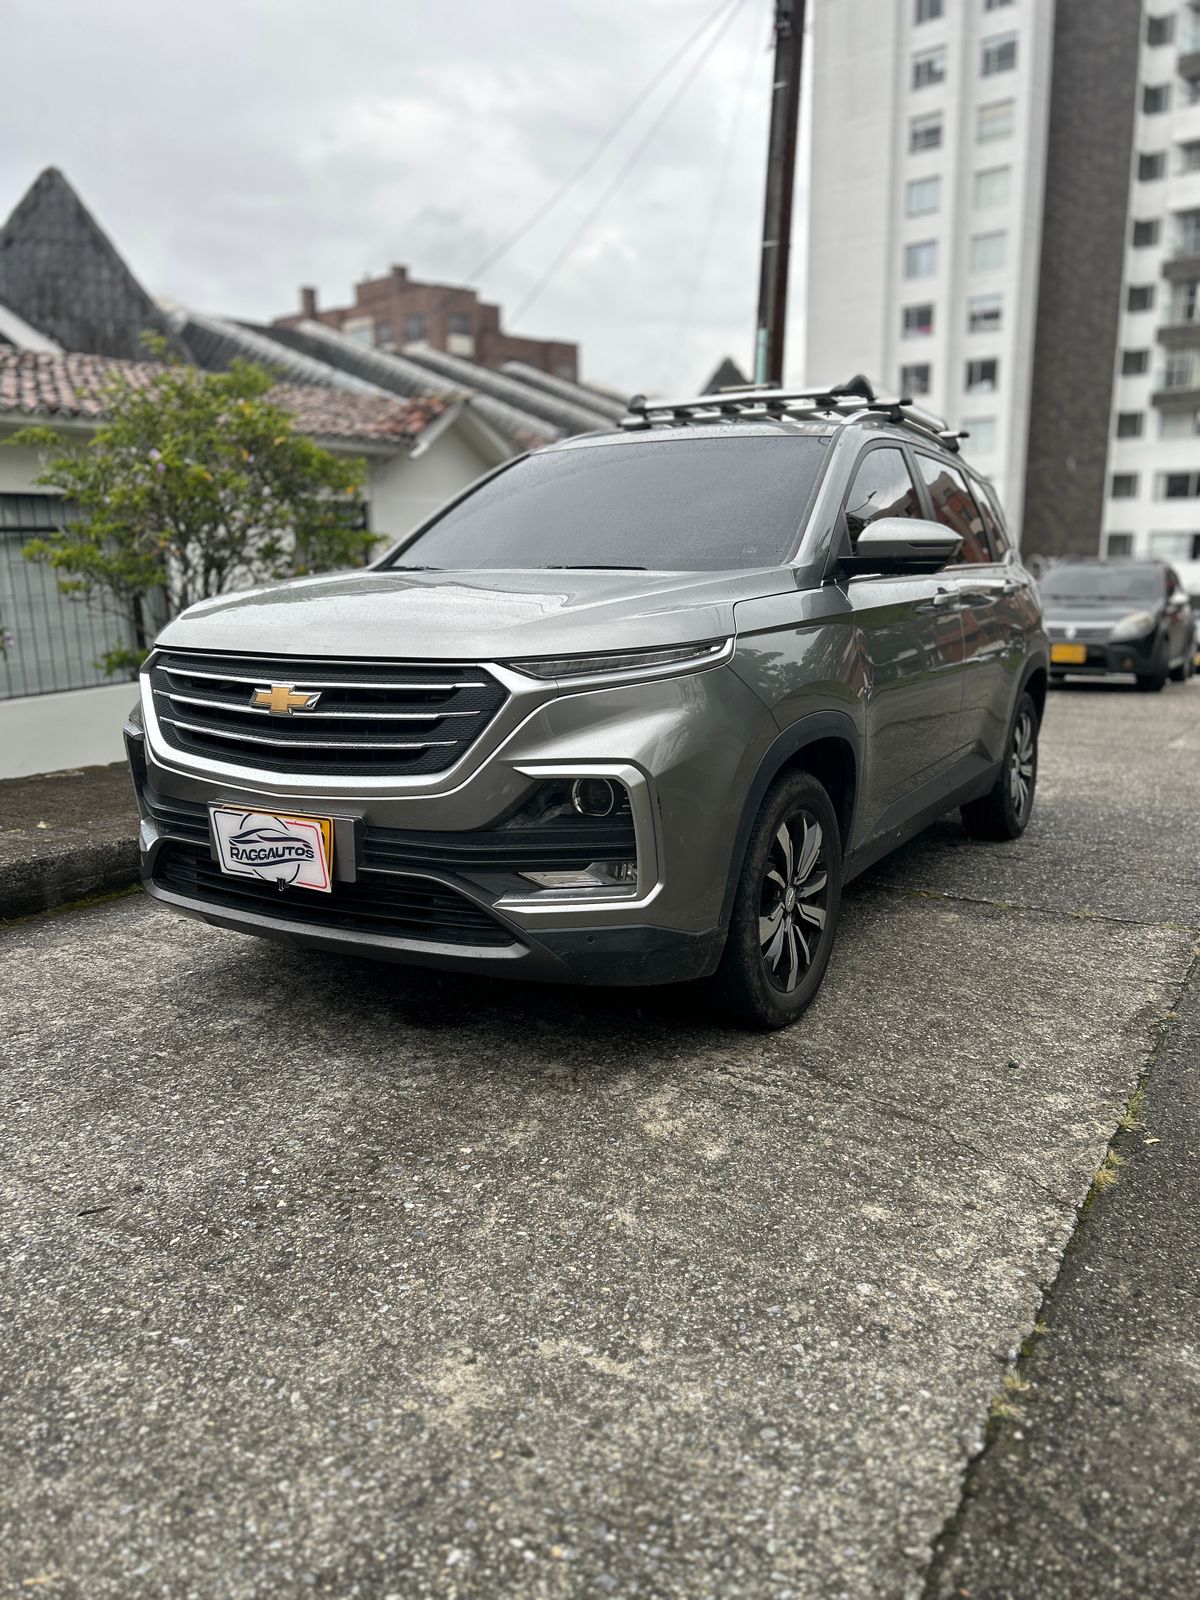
(45, 882)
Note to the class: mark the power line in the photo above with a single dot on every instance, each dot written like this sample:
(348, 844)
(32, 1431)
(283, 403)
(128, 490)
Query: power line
(635, 155)
(715, 209)
(589, 161)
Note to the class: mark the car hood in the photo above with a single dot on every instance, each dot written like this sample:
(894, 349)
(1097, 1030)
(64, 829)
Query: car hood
(1087, 612)
(473, 615)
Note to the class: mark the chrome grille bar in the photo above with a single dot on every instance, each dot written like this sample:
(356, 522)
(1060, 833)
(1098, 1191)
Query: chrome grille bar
(304, 744)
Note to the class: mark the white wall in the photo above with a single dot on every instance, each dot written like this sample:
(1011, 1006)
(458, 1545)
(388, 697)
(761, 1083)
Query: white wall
(79, 728)
(404, 490)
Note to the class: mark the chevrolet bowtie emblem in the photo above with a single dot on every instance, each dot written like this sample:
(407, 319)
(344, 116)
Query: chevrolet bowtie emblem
(281, 699)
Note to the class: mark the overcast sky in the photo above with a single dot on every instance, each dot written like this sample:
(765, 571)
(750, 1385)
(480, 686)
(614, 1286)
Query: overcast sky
(235, 149)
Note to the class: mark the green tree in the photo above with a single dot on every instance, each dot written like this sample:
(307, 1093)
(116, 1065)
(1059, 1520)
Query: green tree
(193, 486)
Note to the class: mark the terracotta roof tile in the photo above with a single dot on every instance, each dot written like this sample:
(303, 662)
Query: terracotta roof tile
(75, 386)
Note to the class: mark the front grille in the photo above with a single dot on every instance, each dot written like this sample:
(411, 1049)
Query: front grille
(371, 718)
(406, 908)
(1083, 632)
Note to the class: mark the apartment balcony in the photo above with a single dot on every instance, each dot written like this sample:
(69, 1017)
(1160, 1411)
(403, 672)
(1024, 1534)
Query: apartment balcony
(1182, 259)
(1182, 333)
(1177, 385)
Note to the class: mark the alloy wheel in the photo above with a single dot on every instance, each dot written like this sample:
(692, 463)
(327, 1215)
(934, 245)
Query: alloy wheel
(1021, 760)
(792, 904)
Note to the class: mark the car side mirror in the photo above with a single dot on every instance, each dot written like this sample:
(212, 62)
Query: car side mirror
(902, 544)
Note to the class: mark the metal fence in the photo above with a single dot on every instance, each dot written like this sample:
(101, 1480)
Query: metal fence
(56, 641)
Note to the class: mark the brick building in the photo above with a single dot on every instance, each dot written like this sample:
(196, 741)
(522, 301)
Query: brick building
(395, 311)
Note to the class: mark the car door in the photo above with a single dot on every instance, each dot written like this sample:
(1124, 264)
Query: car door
(909, 640)
(988, 597)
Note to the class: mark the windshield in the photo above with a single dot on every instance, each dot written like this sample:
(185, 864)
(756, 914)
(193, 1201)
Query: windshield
(675, 505)
(1097, 581)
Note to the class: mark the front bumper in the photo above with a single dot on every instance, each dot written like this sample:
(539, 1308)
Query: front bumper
(687, 748)
(1136, 657)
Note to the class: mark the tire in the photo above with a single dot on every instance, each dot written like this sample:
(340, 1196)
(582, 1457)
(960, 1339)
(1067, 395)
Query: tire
(1004, 812)
(1154, 682)
(767, 982)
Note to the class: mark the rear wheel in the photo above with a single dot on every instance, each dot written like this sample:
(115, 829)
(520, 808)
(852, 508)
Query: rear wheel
(1004, 812)
(785, 911)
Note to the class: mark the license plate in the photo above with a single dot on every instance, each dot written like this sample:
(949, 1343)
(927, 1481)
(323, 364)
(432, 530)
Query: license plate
(1072, 655)
(293, 852)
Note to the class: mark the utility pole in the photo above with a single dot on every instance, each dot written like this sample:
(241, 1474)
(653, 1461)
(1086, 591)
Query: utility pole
(781, 179)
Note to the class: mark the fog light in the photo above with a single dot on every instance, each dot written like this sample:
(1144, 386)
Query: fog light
(598, 875)
(593, 797)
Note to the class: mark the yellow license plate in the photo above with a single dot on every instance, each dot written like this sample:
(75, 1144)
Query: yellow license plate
(290, 851)
(1071, 655)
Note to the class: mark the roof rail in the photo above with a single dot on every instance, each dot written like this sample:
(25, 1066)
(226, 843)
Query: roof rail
(845, 400)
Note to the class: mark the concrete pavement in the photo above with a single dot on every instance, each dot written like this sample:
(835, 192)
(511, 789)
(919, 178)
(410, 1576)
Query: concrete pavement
(341, 1280)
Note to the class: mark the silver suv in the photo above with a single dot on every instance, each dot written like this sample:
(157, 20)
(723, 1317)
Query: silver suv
(632, 710)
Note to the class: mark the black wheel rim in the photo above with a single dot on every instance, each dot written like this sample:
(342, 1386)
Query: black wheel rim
(1022, 758)
(793, 901)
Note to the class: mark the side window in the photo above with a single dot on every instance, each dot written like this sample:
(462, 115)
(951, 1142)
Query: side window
(882, 487)
(991, 522)
(954, 505)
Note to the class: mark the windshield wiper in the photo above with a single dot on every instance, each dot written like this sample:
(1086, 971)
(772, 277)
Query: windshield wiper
(592, 566)
(399, 568)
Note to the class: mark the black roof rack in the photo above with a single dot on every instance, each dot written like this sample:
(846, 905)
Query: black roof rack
(844, 400)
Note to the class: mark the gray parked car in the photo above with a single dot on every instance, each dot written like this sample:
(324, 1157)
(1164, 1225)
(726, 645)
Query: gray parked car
(632, 710)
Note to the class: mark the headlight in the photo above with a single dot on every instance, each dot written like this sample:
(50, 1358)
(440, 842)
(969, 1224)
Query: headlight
(683, 656)
(1133, 626)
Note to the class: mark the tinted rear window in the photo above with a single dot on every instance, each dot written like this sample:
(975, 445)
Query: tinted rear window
(672, 505)
(1103, 582)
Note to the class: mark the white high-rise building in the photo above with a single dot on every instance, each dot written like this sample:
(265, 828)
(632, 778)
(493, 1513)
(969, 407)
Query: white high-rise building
(928, 162)
(1152, 493)
(1004, 222)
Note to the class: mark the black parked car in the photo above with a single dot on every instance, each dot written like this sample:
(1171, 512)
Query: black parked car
(1107, 618)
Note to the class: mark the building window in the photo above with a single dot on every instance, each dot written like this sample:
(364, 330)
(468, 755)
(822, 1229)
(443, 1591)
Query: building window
(915, 379)
(1151, 167)
(922, 196)
(1145, 234)
(458, 322)
(414, 327)
(995, 121)
(929, 68)
(1179, 371)
(383, 333)
(995, 5)
(360, 329)
(928, 10)
(920, 260)
(1133, 362)
(1160, 30)
(917, 322)
(925, 133)
(1177, 486)
(1156, 97)
(987, 252)
(1129, 424)
(1124, 486)
(1118, 544)
(1178, 424)
(983, 434)
(1140, 297)
(1187, 233)
(984, 313)
(991, 187)
(999, 54)
(982, 376)
(1175, 546)
(1189, 156)
(1185, 304)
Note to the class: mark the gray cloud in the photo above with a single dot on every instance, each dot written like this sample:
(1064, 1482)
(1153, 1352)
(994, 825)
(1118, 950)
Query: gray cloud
(238, 148)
